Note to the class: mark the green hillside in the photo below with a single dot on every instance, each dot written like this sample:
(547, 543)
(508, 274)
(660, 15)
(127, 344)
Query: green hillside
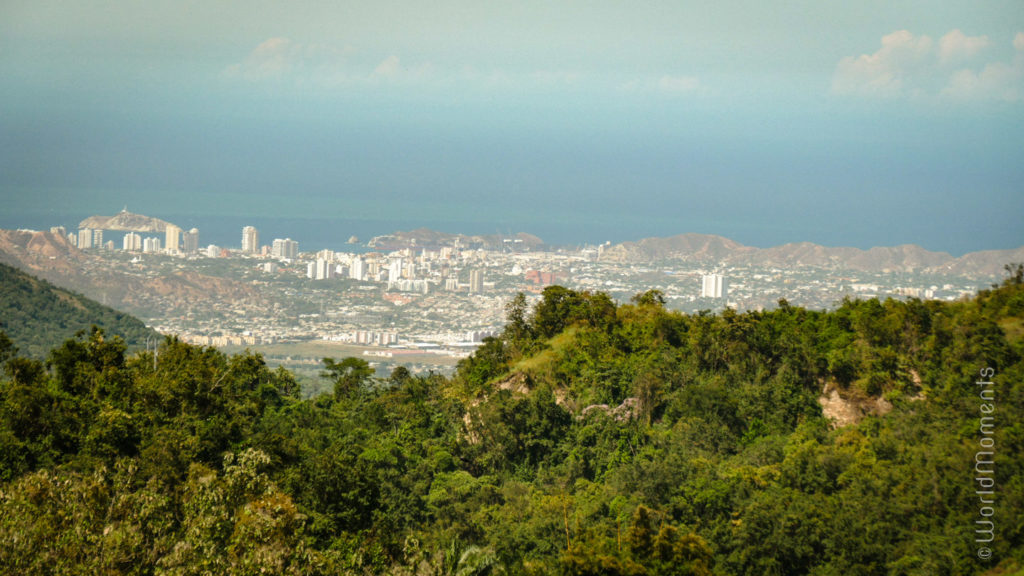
(38, 316)
(590, 437)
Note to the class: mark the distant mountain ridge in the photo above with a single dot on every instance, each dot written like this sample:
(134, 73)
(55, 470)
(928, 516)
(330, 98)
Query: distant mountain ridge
(712, 250)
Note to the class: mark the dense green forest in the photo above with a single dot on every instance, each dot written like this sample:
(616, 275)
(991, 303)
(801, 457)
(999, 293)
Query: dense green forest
(590, 437)
(39, 316)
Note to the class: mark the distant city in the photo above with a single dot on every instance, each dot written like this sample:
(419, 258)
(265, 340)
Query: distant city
(432, 295)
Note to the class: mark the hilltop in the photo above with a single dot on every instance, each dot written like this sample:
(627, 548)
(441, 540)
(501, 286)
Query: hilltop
(126, 221)
(38, 316)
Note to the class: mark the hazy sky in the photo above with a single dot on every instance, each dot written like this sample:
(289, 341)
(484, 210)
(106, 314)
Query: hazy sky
(843, 123)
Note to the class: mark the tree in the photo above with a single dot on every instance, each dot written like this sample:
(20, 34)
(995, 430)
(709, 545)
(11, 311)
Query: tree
(653, 297)
(1014, 274)
(518, 330)
(349, 375)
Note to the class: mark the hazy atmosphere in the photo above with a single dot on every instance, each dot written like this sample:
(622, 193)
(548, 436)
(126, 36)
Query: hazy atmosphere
(860, 124)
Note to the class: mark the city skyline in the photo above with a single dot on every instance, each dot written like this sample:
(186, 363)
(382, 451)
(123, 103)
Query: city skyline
(859, 125)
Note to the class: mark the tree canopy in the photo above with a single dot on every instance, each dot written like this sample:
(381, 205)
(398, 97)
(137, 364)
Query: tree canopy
(590, 437)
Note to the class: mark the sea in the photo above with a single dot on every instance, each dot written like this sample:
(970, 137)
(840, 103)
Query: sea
(222, 226)
(329, 223)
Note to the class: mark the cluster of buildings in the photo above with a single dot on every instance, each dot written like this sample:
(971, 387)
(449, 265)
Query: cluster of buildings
(420, 272)
(365, 338)
(174, 241)
(417, 296)
(226, 340)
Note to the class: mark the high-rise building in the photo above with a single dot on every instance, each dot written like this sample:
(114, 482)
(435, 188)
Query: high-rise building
(151, 245)
(97, 238)
(191, 241)
(213, 251)
(476, 281)
(395, 266)
(284, 249)
(132, 242)
(172, 239)
(713, 286)
(324, 269)
(250, 240)
(357, 270)
(85, 238)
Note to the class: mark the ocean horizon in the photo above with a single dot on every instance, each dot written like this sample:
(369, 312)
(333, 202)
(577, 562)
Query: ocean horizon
(565, 230)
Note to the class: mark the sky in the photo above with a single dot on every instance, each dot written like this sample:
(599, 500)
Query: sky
(842, 123)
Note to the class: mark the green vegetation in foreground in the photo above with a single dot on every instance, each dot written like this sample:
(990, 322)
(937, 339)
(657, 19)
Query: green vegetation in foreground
(38, 316)
(589, 438)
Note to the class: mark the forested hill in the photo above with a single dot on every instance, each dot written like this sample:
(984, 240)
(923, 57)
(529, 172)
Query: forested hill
(590, 437)
(38, 316)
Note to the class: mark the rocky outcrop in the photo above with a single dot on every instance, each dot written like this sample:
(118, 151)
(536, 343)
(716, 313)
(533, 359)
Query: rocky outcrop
(126, 221)
(844, 410)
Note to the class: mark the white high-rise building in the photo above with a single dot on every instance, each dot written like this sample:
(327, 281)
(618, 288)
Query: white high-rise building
(357, 270)
(395, 269)
(476, 281)
(97, 238)
(284, 249)
(191, 241)
(324, 269)
(172, 239)
(132, 242)
(250, 240)
(151, 245)
(84, 238)
(713, 286)
(213, 251)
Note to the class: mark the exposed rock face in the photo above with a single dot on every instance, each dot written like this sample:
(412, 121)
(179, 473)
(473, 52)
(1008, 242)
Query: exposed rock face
(126, 221)
(43, 253)
(846, 411)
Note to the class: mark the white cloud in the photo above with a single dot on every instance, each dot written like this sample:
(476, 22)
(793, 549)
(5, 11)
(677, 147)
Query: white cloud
(995, 81)
(913, 66)
(391, 69)
(271, 59)
(885, 72)
(956, 47)
(279, 58)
